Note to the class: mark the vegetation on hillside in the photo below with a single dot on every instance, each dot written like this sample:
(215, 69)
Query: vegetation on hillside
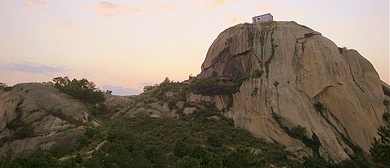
(5, 87)
(203, 139)
(215, 85)
(380, 149)
(83, 90)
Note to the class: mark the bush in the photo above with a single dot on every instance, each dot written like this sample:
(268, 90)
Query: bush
(255, 91)
(319, 107)
(380, 149)
(298, 132)
(5, 87)
(25, 131)
(257, 73)
(80, 89)
(217, 85)
(188, 162)
(276, 83)
(386, 102)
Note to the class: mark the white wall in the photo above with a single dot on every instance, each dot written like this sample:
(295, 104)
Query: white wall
(264, 18)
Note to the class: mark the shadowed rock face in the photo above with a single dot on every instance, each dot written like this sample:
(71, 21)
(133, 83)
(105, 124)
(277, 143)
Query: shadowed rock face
(37, 116)
(299, 68)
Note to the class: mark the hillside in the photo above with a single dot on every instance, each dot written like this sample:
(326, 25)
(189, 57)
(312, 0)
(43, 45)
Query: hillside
(275, 94)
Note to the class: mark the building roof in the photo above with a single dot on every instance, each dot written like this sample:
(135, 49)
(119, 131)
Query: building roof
(262, 15)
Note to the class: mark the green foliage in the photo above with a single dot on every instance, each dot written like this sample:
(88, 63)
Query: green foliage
(319, 107)
(266, 24)
(98, 109)
(257, 73)
(39, 159)
(251, 36)
(212, 86)
(193, 141)
(386, 117)
(230, 101)
(255, 91)
(89, 136)
(386, 102)
(25, 130)
(276, 83)
(188, 162)
(277, 118)
(298, 132)
(83, 89)
(380, 149)
(78, 159)
(217, 85)
(242, 157)
(5, 87)
(179, 89)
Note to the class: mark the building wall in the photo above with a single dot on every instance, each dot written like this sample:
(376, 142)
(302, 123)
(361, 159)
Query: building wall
(262, 18)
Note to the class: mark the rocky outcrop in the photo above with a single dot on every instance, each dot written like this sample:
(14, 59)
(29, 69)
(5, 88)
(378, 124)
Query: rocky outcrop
(299, 71)
(37, 116)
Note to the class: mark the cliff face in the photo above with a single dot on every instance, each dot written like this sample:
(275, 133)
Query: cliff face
(304, 80)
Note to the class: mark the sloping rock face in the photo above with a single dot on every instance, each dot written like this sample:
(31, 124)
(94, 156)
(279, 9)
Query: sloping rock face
(305, 80)
(37, 116)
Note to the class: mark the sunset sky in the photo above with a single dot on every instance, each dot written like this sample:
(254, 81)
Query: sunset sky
(123, 45)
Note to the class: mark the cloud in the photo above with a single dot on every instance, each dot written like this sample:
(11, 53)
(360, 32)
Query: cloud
(265, 6)
(35, 3)
(32, 68)
(165, 6)
(118, 90)
(157, 5)
(219, 3)
(110, 10)
(66, 23)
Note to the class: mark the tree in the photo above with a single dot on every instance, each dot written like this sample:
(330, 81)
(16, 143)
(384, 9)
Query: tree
(380, 149)
(5, 87)
(82, 89)
(188, 162)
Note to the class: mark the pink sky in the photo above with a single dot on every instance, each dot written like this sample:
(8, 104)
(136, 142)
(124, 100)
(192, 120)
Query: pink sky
(128, 44)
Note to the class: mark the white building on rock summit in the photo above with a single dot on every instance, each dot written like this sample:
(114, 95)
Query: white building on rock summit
(263, 18)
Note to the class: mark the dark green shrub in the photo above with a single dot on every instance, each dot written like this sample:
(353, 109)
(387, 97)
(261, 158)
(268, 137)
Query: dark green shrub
(78, 159)
(188, 162)
(25, 131)
(298, 132)
(242, 157)
(98, 109)
(386, 117)
(276, 83)
(380, 148)
(386, 102)
(82, 89)
(319, 107)
(5, 87)
(255, 91)
(257, 73)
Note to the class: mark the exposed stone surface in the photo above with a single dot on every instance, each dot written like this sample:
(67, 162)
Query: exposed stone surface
(189, 110)
(299, 68)
(51, 116)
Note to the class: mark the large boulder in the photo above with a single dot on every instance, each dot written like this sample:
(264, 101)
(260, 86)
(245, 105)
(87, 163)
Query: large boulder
(38, 116)
(305, 80)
